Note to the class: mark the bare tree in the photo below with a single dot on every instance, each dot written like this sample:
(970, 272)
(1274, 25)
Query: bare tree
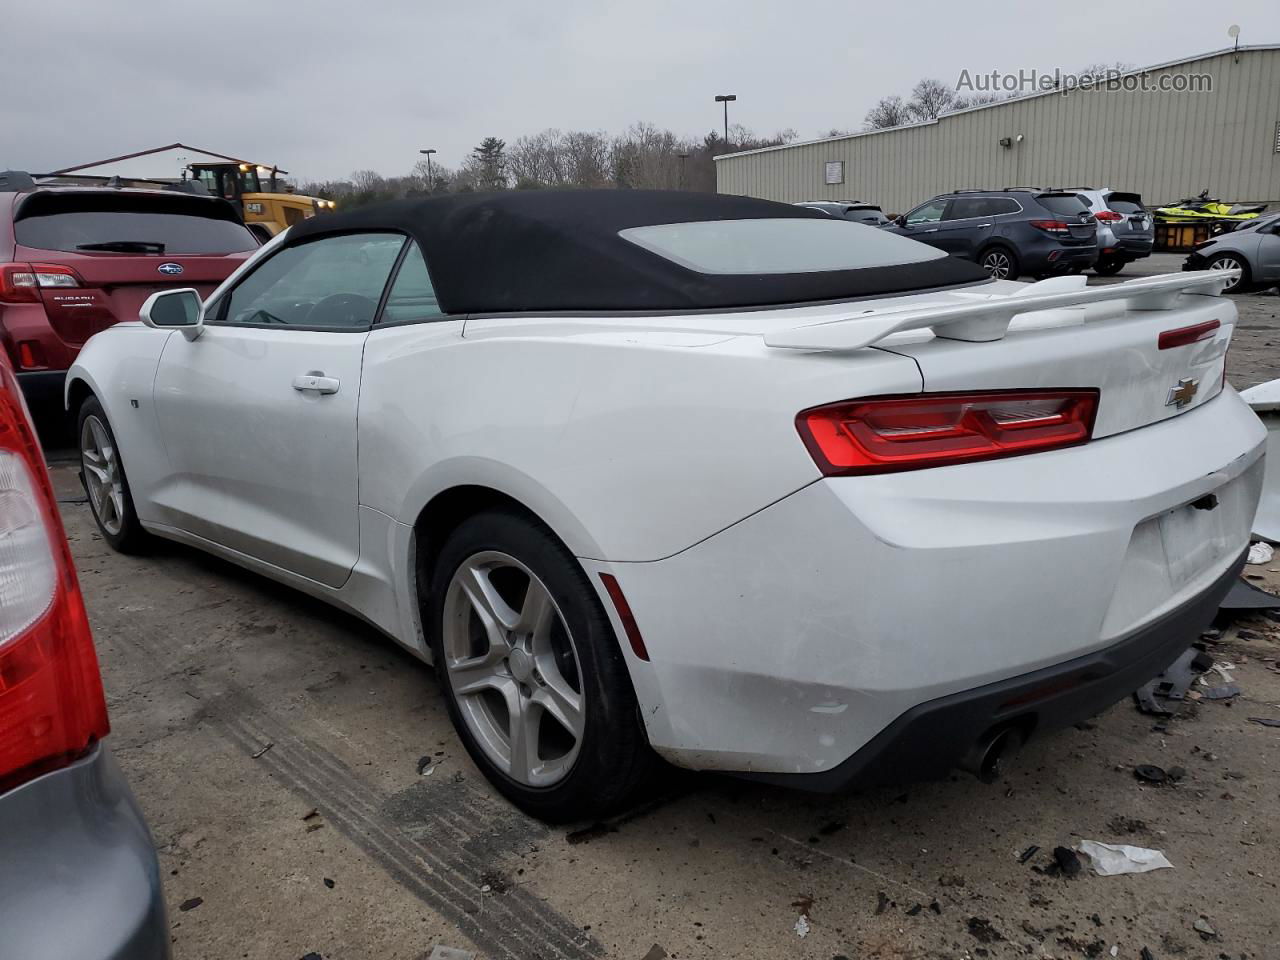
(888, 112)
(976, 100)
(930, 99)
(1103, 70)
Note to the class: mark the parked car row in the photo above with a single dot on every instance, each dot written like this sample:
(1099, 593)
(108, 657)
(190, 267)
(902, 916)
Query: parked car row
(1016, 231)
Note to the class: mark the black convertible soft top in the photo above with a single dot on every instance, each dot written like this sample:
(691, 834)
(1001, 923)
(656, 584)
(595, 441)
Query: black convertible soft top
(560, 250)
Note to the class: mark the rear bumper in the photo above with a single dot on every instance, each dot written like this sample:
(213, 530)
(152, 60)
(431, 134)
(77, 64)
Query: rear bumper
(788, 642)
(932, 738)
(1059, 257)
(78, 870)
(43, 389)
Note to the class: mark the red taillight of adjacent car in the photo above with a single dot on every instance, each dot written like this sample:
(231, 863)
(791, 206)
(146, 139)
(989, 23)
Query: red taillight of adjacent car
(22, 282)
(52, 708)
(890, 434)
(1109, 216)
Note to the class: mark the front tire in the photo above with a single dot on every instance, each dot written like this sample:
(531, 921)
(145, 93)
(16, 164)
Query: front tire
(1000, 263)
(532, 673)
(102, 474)
(1227, 261)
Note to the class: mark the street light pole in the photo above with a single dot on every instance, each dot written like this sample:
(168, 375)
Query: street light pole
(726, 99)
(431, 180)
(683, 157)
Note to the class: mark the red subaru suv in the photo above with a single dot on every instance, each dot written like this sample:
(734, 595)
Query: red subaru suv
(77, 258)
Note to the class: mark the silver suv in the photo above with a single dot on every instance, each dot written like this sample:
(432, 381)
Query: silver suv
(1126, 229)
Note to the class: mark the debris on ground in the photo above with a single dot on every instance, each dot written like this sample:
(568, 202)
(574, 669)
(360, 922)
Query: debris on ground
(1065, 862)
(312, 956)
(328, 882)
(655, 953)
(802, 927)
(915, 909)
(1224, 692)
(311, 814)
(1260, 552)
(1150, 773)
(191, 904)
(1114, 859)
(882, 903)
(262, 751)
(1028, 853)
(1205, 929)
(1265, 721)
(1147, 954)
(983, 931)
(453, 953)
(1174, 683)
(426, 766)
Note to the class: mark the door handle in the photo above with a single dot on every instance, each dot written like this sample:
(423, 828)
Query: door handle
(984, 226)
(930, 230)
(317, 382)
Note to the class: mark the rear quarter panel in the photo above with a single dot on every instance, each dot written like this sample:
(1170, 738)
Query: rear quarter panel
(631, 444)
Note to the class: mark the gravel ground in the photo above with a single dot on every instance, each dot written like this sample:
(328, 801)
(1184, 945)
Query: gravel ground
(275, 746)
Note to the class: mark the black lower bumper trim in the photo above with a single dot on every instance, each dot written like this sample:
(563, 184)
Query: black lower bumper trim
(930, 739)
(42, 388)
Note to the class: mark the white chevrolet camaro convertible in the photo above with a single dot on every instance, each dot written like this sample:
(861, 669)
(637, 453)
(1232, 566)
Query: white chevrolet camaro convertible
(702, 477)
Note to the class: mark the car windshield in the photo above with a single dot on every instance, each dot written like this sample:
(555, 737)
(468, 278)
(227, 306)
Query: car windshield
(127, 223)
(780, 245)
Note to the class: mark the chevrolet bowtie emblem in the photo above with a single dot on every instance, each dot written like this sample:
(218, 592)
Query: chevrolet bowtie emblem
(1183, 393)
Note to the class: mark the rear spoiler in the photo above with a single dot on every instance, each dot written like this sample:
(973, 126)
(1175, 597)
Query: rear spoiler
(979, 318)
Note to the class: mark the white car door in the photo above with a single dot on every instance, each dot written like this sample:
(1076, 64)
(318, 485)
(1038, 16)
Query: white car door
(258, 414)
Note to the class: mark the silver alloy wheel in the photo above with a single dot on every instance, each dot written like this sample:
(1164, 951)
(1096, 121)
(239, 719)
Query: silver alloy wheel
(102, 478)
(997, 264)
(513, 668)
(1228, 263)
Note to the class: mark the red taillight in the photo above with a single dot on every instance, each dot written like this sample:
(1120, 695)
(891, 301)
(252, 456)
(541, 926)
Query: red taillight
(625, 615)
(52, 707)
(890, 434)
(22, 282)
(1109, 215)
(1185, 335)
(1050, 226)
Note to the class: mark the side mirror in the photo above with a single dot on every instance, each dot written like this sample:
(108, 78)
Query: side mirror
(901, 221)
(174, 310)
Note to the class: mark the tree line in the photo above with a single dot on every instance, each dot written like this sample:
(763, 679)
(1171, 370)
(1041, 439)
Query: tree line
(643, 157)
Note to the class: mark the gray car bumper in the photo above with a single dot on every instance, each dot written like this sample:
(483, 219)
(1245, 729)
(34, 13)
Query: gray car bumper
(78, 870)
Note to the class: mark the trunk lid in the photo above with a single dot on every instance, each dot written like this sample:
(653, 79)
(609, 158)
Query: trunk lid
(1105, 346)
(1074, 212)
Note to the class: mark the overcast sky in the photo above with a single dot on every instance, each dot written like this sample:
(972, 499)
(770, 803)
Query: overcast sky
(321, 87)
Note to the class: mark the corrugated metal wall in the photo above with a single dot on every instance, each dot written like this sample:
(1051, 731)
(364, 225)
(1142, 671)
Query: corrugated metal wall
(1164, 145)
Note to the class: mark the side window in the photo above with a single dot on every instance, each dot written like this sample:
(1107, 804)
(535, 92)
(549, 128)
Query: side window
(965, 208)
(1001, 205)
(930, 212)
(333, 282)
(412, 296)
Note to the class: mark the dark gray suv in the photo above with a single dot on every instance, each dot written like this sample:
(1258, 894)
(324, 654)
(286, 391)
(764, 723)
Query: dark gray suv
(1009, 232)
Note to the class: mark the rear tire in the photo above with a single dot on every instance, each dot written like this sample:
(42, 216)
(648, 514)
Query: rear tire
(1001, 263)
(1108, 267)
(103, 477)
(533, 676)
(1229, 261)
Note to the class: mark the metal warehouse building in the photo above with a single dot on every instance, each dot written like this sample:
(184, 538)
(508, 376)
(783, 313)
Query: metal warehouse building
(1164, 145)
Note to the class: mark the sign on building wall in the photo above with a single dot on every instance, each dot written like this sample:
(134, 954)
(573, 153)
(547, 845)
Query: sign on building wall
(835, 171)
